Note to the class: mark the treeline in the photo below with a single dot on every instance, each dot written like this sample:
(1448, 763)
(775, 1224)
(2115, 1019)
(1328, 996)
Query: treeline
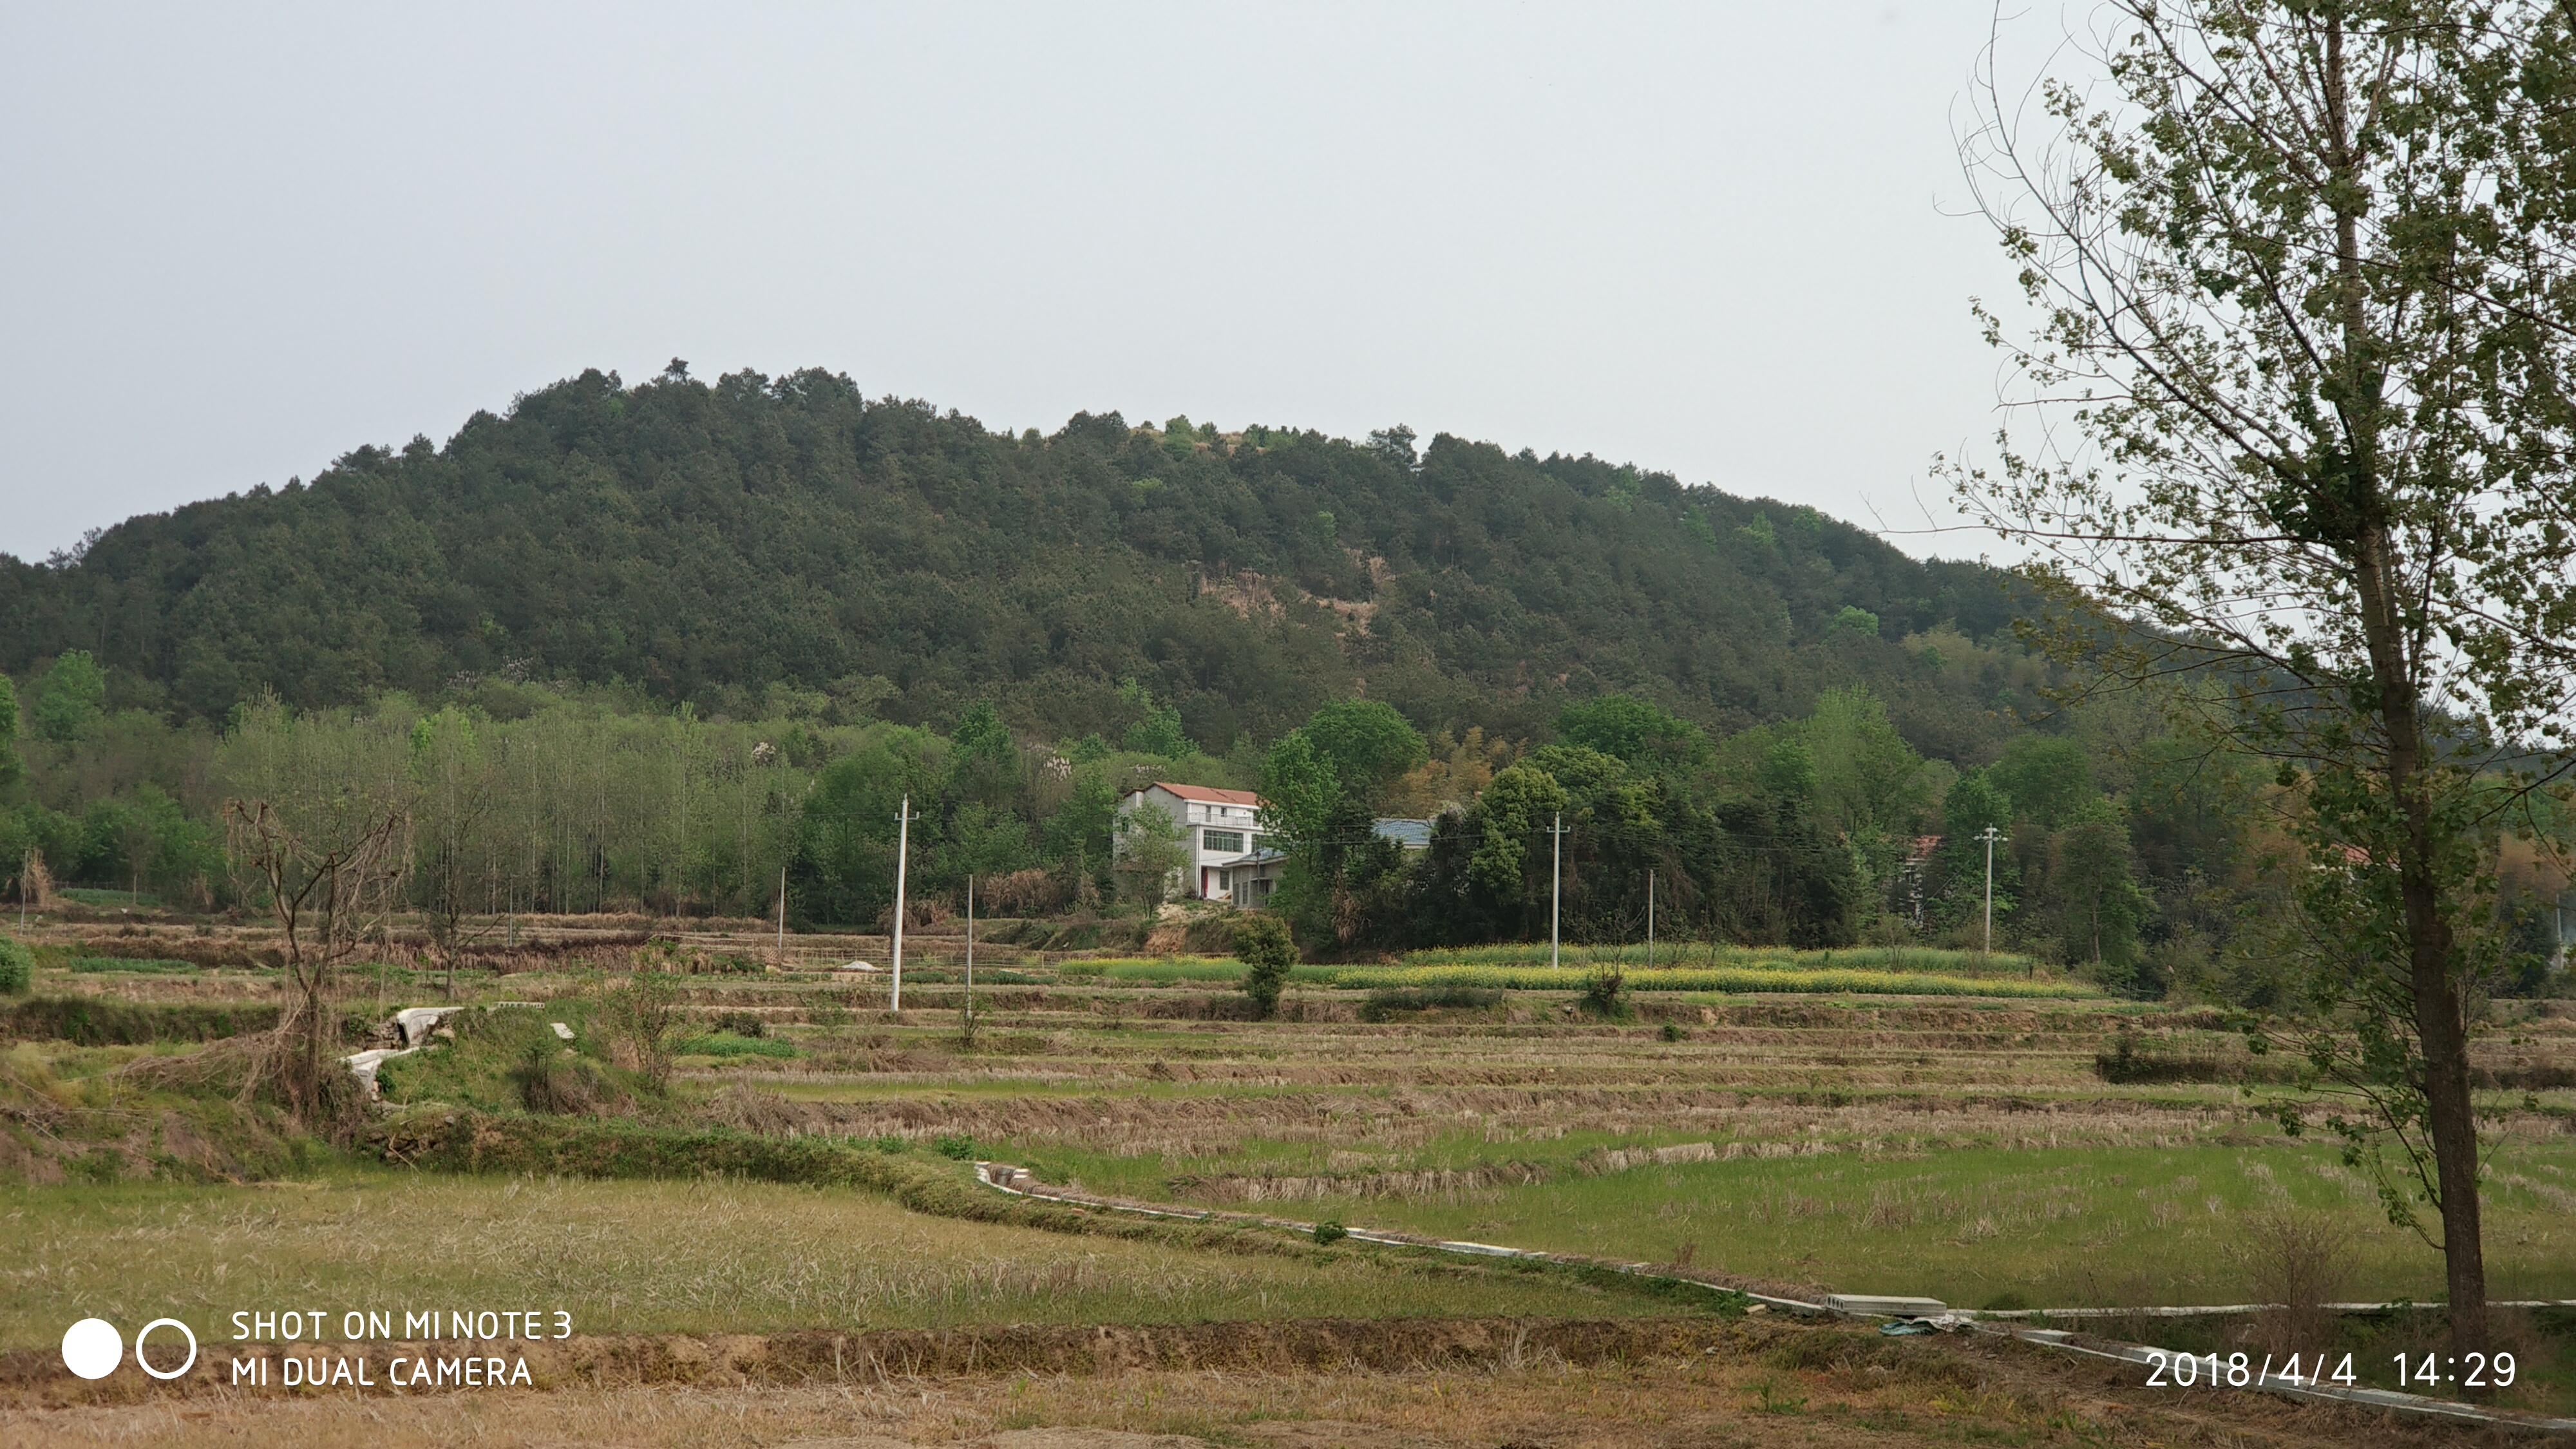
(580, 802)
(2119, 850)
(1815, 832)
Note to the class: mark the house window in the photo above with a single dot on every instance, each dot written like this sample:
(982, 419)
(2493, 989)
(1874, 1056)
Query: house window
(1222, 842)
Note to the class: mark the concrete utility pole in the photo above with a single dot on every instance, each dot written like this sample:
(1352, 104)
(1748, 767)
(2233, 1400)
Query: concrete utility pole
(902, 853)
(782, 918)
(1556, 885)
(970, 954)
(1650, 920)
(1990, 837)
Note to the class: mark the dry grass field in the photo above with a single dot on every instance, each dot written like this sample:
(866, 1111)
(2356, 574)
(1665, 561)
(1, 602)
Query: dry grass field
(1964, 1147)
(669, 1257)
(1821, 1387)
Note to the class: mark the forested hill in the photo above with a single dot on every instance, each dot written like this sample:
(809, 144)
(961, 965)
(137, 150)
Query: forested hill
(709, 542)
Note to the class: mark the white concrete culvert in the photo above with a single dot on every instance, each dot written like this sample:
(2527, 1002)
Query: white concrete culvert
(415, 1023)
(1017, 1182)
(363, 1066)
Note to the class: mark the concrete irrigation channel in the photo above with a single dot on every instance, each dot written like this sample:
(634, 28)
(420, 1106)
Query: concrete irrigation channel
(1907, 1314)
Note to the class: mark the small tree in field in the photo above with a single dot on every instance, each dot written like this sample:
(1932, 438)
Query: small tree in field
(2306, 321)
(330, 883)
(1263, 945)
(1151, 849)
(645, 1018)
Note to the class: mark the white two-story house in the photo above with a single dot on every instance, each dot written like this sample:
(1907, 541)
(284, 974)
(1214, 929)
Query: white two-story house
(1217, 827)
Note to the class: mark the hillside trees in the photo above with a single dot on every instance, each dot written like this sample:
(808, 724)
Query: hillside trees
(715, 542)
(2303, 292)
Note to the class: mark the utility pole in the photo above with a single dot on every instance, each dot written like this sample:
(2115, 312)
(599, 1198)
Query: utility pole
(1556, 885)
(902, 851)
(970, 958)
(1990, 837)
(782, 918)
(1650, 920)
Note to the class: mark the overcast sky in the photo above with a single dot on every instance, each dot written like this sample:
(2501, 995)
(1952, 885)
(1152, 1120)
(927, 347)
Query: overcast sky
(1720, 239)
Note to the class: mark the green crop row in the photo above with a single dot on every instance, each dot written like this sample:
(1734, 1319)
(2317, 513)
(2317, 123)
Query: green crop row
(1689, 955)
(1730, 979)
(89, 965)
(1520, 977)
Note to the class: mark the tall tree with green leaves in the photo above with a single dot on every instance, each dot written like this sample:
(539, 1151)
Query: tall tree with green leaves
(1320, 786)
(72, 698)
(1368, 744)
(2304, 318)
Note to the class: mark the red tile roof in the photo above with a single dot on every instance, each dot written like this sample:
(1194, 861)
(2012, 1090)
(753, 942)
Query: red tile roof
(1206, 796)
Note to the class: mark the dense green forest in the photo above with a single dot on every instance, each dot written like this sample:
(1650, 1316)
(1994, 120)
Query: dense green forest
(722, 544)
(677, 647)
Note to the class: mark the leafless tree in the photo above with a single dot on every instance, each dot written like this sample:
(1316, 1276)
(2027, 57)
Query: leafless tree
(328, 894)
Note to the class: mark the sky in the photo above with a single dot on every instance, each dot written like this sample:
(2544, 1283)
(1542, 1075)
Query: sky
(1729, 241)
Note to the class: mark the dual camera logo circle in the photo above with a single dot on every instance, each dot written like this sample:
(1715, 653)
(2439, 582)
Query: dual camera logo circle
(92, 1348)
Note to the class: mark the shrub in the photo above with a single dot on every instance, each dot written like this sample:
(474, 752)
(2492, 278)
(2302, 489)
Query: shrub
(1267, 952)
(1672, 1031)
(890, 1144)
(959, 1147)
(17, 967)
(1330, 1231)
(644, 1017)
(2298, 1262)
(553, 1082)
(1601, 990)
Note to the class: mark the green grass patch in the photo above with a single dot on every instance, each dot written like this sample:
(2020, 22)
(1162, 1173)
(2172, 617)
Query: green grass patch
(89, 1022)
(727, 1044)
(93, 896)
(88, 965)
(2055, 1227)
(508, 1059)
(1159, 969)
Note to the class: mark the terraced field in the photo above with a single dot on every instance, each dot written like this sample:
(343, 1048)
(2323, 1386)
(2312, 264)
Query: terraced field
(1991, 1151)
